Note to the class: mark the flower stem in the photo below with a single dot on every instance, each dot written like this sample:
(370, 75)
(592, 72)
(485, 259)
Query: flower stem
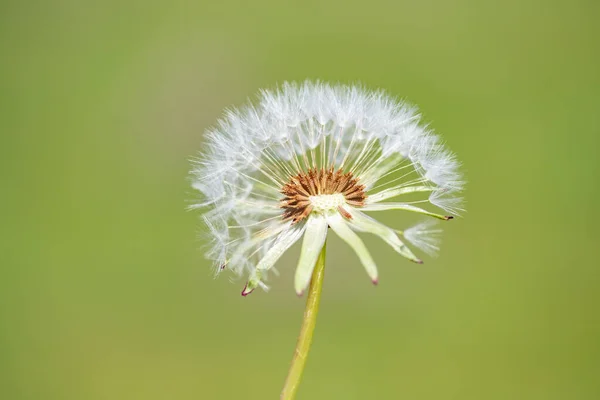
(306, 332)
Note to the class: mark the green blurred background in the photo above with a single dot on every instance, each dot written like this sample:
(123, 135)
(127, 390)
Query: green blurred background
(104, 293)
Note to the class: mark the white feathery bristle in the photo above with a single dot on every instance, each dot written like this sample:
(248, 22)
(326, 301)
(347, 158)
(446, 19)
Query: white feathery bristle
(435, 162)
(448, 200)
(425, 237)
(217, 236)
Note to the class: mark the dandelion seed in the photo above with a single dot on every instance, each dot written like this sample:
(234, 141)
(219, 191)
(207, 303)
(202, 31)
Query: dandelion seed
(311, 156)
(424, 236)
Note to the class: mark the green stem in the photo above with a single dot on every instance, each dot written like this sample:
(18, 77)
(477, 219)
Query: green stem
(306, 332)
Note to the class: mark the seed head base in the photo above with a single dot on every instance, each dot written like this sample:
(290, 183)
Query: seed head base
(310, 191)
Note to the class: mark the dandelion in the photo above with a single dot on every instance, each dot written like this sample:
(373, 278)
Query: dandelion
(312, 156)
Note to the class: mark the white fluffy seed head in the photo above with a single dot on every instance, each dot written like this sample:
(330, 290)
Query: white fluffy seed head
(255, 150)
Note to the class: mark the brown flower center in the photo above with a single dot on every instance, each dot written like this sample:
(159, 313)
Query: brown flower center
(302, 190)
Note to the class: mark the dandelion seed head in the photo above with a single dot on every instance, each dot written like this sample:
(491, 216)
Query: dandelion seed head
(307, 157)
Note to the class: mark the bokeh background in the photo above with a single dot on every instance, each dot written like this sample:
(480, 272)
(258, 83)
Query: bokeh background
(104, 293)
